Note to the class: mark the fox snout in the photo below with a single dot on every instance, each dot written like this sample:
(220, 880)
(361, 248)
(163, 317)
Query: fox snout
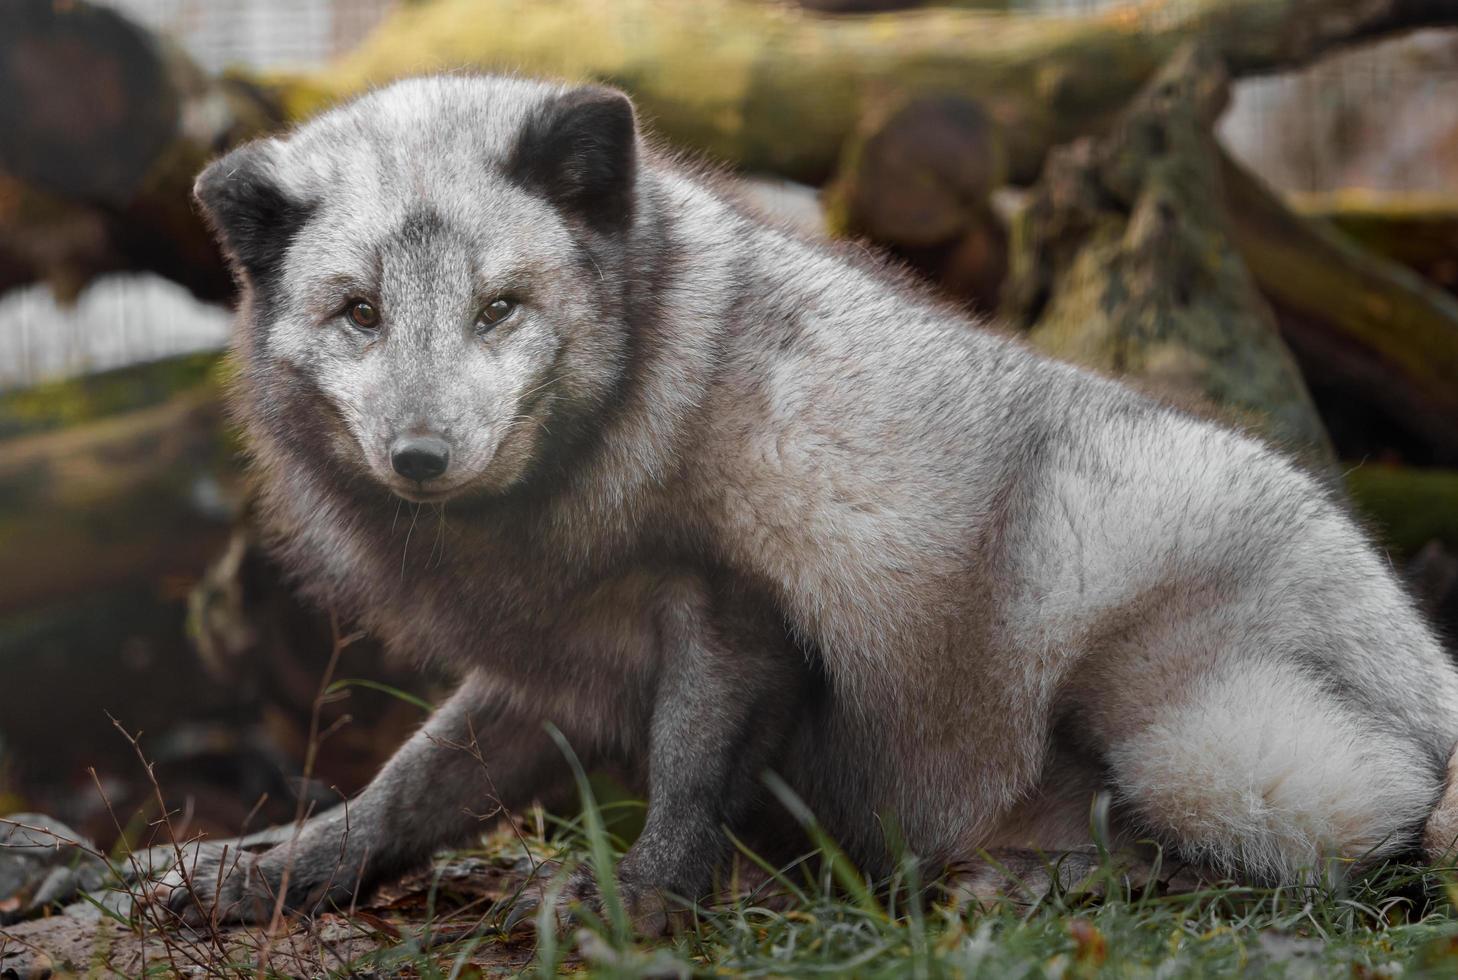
(420, 457)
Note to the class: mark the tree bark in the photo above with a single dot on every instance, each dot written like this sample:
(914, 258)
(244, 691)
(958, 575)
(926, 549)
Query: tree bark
(1123, 260)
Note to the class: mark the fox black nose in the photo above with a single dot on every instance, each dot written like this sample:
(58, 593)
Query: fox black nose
(420, 458)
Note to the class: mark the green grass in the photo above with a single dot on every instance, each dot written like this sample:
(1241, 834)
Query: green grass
(819, 917)
(1275, 935)
(811, 920)
(1380, 927)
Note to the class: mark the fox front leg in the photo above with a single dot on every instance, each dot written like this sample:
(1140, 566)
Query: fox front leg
(724, 703)
(473, 757)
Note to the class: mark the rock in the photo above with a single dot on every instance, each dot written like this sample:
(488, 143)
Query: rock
(43, 864)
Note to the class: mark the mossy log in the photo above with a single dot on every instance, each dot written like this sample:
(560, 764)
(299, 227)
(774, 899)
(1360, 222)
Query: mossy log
(88, 398)
(767, 87)
(103, 126)
(141, 495)
(110, 479)
(1377, 336)
(1123, 260)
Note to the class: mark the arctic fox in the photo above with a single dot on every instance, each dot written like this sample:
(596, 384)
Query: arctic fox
(717, 500)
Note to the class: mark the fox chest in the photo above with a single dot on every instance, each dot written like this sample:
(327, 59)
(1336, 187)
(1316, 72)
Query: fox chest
(526, 626)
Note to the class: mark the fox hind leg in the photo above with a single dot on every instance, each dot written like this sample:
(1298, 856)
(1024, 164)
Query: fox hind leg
(1257, 770)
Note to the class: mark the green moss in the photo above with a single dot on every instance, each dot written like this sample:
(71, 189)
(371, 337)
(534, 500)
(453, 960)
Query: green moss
(58, 404)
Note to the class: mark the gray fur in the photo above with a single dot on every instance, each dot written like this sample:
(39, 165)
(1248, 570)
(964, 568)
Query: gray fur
(722, 499)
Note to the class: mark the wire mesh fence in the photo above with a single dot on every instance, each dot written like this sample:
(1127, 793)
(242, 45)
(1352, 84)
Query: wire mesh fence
(259, 33)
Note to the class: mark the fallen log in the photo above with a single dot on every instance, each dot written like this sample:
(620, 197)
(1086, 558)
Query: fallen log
(112, 479)
(143, 495)
(102, 126)
(762, 86)
(918, 179)
(770, 88)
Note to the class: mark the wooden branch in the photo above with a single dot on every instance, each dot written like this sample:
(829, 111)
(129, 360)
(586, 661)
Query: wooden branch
(1419, 231)
(1365, 326)
(764, 86)
(1410, 507)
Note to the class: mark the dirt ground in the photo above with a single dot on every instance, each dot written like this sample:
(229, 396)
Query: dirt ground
(438, 916)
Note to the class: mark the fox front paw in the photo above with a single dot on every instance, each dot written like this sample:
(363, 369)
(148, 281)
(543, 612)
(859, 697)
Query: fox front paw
(226, 885)
(579, 900)
(215, 885)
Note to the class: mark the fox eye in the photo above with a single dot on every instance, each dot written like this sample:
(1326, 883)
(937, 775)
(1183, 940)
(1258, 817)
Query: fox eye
(363, 314)
(493, 313)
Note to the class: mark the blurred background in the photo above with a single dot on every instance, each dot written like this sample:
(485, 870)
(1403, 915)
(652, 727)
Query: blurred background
(1250, 206)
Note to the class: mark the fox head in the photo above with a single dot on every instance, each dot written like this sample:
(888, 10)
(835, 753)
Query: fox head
(433, 278)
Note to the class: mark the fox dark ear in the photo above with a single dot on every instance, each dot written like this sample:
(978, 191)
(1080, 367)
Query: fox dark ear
(580, 151)
(253, 217)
